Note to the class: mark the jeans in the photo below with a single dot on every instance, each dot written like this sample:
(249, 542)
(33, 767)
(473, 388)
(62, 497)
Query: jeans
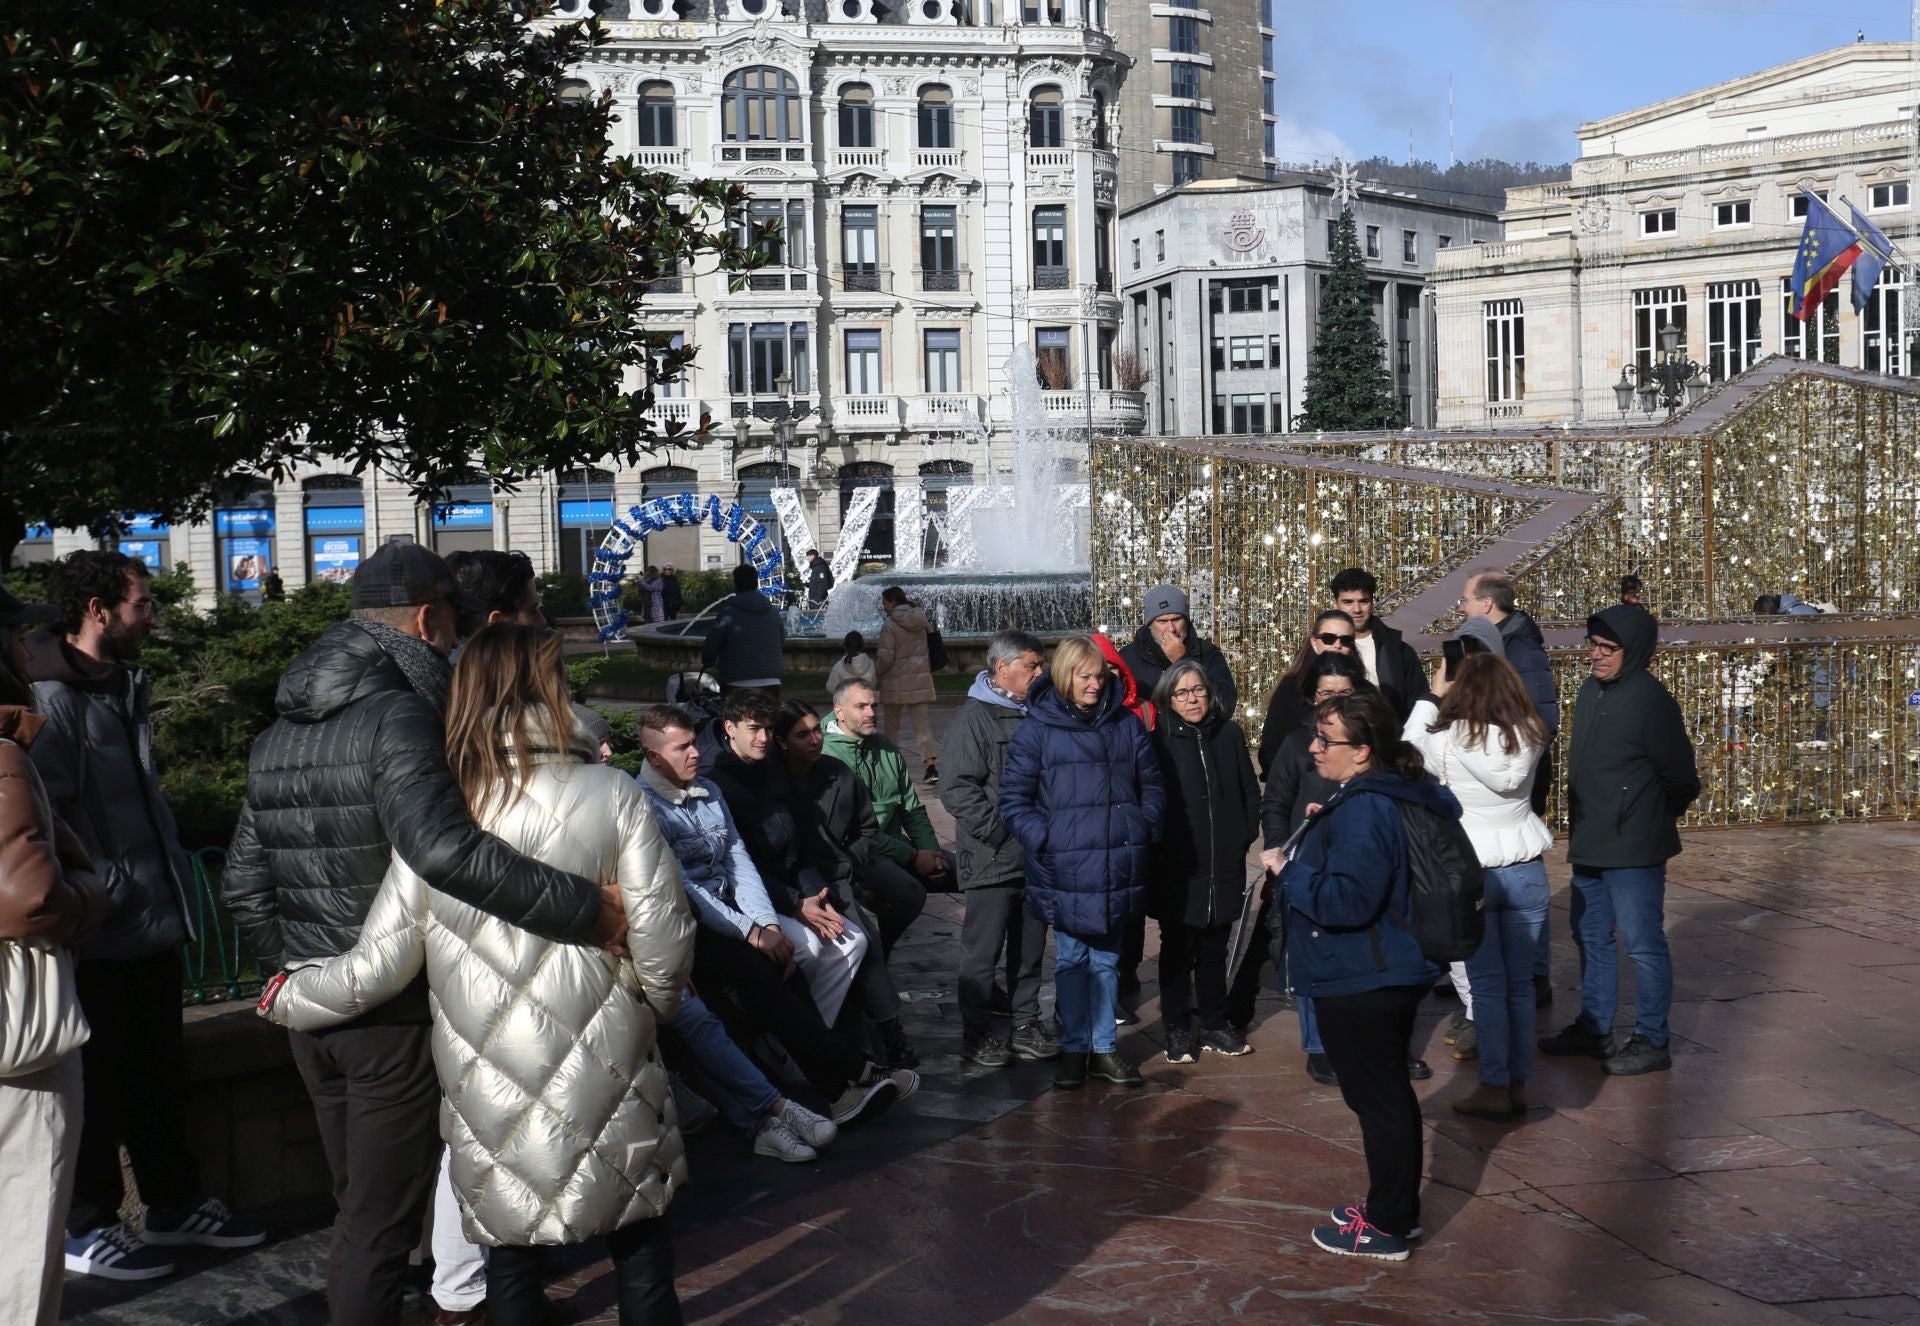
(997, 920)
(740, 1090)
(1501, 972)
(1309, 1025)
(1086, 991)
(643, 1274)
(1369, 1036)
(1631, 900)
(1193, 970)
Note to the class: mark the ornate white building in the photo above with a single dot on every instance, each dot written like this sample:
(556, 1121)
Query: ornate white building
(1687, 212)
(944, 175)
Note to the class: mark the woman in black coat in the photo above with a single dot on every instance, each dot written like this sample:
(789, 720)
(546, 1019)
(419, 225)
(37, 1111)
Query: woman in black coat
(1332, 633)
(1200, 865)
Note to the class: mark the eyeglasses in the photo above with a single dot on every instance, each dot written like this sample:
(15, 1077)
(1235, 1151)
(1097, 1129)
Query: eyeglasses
(1334, 640)
(1317, 740)
(1191, 693)
(1606, 647)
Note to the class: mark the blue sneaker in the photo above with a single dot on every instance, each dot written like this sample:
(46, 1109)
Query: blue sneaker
(114, 1252)
(1354, 1237)
(208, 1225)
(1341, 1214)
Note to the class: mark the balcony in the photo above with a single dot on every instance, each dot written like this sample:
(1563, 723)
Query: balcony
(956, 281)
(939, 158)
(1049, 158)
(862, 280)
(759, 152)
(683, 411)
(860, 158)
(1108, 411)
(930, 414)
(1051, 278)
(660, 158)
(767, 281)
(866, 414)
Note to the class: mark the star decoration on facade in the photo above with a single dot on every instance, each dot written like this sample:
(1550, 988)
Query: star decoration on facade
(1346, 182)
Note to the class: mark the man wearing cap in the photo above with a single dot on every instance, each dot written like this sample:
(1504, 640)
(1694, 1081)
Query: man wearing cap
(354, 771)
(1166, 636)
(1630, 776)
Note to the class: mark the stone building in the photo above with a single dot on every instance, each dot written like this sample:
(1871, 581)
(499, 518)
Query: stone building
(945, 179)
(1188, 106)
(1688, 213)
(1221, 281)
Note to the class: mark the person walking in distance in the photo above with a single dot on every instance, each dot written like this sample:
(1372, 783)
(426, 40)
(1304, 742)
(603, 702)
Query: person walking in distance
(1200, 863)
(992, 864)
(95, 758)
(746, 646)
(1630, 776)
(1082, 792)
(819, 578)
(1391, 663)
(672, 596)
(903, 667)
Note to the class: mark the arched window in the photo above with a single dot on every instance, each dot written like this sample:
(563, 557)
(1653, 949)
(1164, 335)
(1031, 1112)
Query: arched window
(1100, 120)
(760, 103)
(936, 117)
(937, 479)
(856, 116)
(656, 115)
(1045, 119)
(679, 545)
(575, 89)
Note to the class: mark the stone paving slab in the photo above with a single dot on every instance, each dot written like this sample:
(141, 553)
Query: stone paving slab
(1773, 1177)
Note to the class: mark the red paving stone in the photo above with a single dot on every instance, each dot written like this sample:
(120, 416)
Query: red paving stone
(1772, 1177)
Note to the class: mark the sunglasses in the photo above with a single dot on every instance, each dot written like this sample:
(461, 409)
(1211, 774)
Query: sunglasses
(1333, 639)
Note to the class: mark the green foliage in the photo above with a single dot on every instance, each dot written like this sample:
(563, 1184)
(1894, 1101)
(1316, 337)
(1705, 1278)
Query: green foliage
(628, 754)
(1482, 183)
(581, 670)
(1348, 385)
(239, 234)
(563, 593)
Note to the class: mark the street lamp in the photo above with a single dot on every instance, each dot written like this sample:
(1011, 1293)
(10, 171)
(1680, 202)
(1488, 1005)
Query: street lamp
(1666, 380)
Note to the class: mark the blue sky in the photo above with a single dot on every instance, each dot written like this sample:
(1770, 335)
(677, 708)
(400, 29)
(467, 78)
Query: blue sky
(1356, 76)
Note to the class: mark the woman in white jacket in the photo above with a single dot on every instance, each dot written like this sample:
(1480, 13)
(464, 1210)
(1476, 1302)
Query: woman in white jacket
(556, 1108)
(1481, 736)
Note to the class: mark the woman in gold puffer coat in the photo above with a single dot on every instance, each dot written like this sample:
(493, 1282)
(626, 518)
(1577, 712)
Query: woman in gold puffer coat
(556, 1107)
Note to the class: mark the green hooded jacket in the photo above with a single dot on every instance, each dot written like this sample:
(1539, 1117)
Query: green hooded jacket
(882, 770)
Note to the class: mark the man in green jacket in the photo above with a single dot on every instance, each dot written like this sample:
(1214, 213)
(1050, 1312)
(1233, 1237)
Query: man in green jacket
(907, 860)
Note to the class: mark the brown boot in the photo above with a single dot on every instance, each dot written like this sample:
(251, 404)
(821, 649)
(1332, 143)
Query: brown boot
(1485, 1102)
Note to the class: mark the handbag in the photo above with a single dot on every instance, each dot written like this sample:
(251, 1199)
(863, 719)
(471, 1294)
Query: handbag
(40, 1018)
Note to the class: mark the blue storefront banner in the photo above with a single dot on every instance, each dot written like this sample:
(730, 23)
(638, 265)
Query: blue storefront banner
(39, 533)
(147, 550)
(336, 559)
(586, 515)
(463, 515)
(336, 519)
(150, 527)
(255, 521)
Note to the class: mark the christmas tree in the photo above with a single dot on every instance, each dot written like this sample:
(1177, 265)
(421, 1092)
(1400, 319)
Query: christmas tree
(1348, 386)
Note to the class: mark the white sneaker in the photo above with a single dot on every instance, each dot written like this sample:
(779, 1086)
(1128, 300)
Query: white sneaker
(774, 1138)
(813, 1129)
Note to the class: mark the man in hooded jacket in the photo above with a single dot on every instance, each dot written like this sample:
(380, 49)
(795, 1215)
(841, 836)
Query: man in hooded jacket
(1166, 636)
(1630, 776)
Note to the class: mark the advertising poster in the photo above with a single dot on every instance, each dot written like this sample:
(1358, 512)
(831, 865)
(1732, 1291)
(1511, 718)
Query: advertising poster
(463, 515)
(248, 561)
(336, 559)
(147, 550)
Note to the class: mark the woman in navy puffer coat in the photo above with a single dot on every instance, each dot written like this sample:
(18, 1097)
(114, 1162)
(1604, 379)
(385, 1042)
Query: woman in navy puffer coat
(1082, 792)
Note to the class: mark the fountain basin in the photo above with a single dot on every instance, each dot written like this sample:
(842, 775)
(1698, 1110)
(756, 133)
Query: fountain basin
(962, 603)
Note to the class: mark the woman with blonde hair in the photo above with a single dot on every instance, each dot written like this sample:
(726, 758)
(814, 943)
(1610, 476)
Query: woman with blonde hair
(1082, 792)
(556, 1106)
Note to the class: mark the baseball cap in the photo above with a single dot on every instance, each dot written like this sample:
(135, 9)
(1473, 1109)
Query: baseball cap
(15, 613)
(406, 575)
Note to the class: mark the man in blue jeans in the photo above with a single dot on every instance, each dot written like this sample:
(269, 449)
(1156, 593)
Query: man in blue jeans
(1630, 776)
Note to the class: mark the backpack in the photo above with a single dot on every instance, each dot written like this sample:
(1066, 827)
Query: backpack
(936, 650)
(1445, 883)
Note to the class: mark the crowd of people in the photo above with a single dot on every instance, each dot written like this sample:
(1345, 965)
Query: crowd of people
(513, 977)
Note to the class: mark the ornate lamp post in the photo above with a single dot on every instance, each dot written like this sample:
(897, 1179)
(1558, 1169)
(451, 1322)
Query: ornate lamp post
(1667, 380)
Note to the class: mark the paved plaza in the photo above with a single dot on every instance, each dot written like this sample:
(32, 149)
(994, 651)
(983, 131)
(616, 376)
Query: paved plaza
(1772, 1178)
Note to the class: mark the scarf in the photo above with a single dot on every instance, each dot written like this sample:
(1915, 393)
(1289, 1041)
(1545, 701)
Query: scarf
(426, 668)
(1006, 695)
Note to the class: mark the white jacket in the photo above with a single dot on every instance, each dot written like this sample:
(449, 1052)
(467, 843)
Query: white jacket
(556, 1104)
(1495, 789)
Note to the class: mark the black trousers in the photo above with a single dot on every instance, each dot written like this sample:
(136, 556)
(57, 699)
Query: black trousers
(378, 1103)
(776, 1006)
(894, 896)
(643, 1271)
(1368, 1037)
(1193, 962)
(1133, 949)
(997, 921)
(135, 1071)
(873, 984)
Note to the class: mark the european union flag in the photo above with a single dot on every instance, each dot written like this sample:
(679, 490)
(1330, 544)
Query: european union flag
(1827, 249)
(1876, 251)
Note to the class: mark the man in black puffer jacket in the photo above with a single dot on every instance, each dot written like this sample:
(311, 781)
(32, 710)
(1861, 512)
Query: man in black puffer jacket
(354, 772)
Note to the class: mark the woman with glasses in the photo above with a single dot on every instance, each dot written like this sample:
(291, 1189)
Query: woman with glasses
(1200, 866)
(1332, 633)
(1082, 792)
(1347, 878)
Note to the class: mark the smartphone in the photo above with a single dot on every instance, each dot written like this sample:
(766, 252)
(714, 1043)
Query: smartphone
(1452, 651)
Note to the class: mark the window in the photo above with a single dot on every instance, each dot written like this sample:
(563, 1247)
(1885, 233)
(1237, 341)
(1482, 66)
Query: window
(939, 249)
(1663, 306)
(1728, 216)
(1186, 124)
(1183, 35)
(1373, 241)
(758, 354)
(936, 117)
(1661, 221)
(1159, 246)
(1443, 241)
(1266, 53)
(1249, 413)
(676, 385)
(1799, 205)
(1733, 327)
(1103, 248)
(863, 363)
(779, 229)
(1885, 339)
(1049, 248)
(942, 360)
(1136, 255)
(870, 474)
(1100, 121)
(1252, 295)
(1267, 102)
(1248, 352)
(860, 248)
(1276, 351)
(1186, 167)
(1409, 246)
(1333, 235)
(1883, 196)
(1185, 81)
(1818, 337)
(1220, 356)
(1506, 351)
(1046, 121)
(856, 116)
(760, 103)
(656, 115)
(1053, 357)
(1103, 341)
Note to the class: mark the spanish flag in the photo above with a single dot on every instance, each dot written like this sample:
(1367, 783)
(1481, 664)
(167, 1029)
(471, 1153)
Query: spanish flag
(1827, 248)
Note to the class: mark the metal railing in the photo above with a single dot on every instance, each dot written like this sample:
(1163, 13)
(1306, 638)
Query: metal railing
(216, 966)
